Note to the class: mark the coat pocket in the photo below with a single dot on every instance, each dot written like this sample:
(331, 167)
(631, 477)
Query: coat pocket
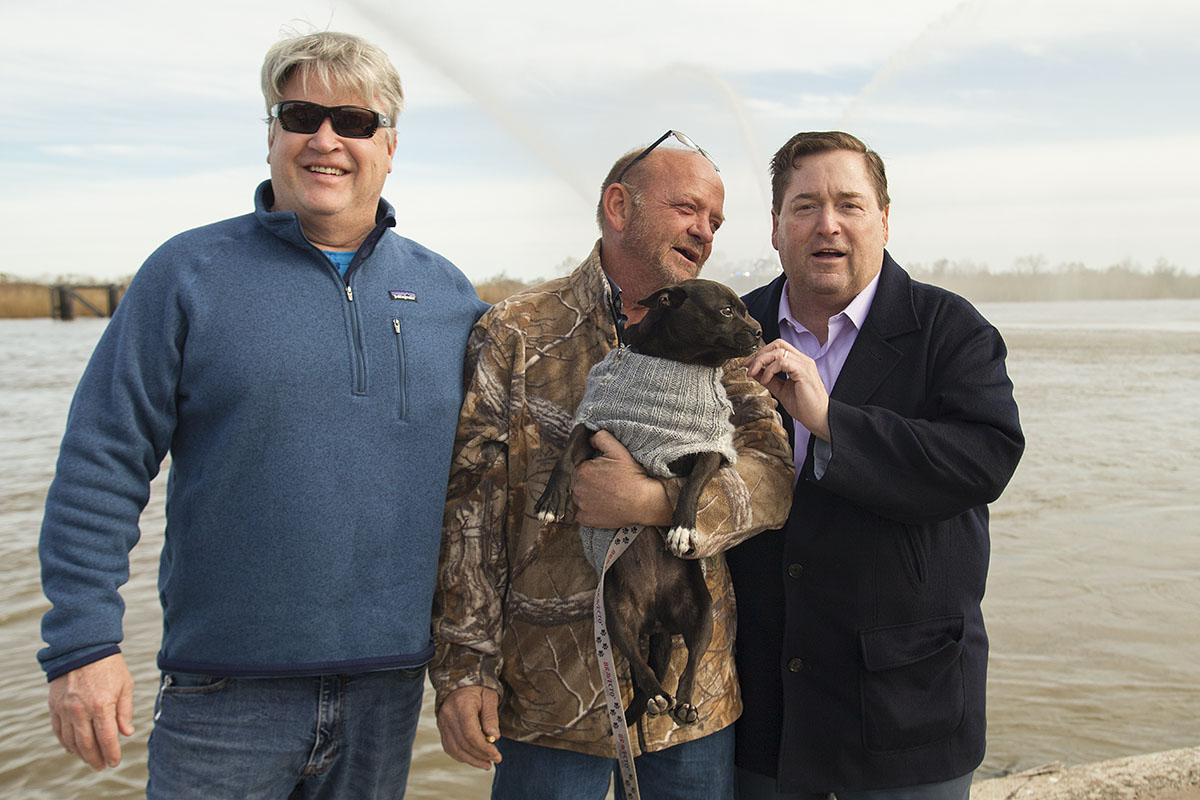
(911, 685)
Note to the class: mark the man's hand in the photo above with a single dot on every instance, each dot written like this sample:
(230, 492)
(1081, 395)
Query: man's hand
(88, 706)
(612, 490)
(469, 725)
(793, 379)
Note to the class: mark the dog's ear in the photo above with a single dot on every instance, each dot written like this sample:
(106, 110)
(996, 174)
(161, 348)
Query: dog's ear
(667, 297)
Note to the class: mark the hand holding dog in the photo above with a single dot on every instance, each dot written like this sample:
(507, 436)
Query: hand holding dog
(792, 378)
(612, 490)
(469, 725)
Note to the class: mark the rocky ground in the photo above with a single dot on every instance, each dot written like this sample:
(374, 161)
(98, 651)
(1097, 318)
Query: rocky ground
(1173, 775)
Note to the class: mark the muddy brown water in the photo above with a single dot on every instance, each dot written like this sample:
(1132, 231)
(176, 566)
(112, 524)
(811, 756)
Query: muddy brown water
(1093, 595)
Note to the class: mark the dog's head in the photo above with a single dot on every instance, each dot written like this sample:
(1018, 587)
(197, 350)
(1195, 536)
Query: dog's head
(697, 322)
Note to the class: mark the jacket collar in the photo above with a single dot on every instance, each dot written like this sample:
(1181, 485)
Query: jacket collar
(590, 284)
(286, 224)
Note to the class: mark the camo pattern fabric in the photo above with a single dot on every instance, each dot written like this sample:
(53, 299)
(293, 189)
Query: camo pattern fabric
(512, 610)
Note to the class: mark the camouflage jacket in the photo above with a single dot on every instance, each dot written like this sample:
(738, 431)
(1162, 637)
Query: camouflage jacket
(512, 610)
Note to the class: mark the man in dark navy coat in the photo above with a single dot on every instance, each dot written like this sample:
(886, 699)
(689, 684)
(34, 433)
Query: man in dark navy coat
(861, 647)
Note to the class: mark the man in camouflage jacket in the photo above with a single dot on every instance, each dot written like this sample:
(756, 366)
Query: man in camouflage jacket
(512, 617)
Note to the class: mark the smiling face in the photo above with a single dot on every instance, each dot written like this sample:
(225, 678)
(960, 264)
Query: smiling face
(670, 231)
(830, 232)
(332, 182)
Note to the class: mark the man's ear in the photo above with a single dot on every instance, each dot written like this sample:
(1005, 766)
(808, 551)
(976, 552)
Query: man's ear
(617, 205)
(667, 297)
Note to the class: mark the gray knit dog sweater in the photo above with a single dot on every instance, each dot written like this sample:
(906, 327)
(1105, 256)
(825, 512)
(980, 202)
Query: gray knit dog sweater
(659, 410)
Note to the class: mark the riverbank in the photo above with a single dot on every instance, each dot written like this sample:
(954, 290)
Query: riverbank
(1172, 775)
(67, 300)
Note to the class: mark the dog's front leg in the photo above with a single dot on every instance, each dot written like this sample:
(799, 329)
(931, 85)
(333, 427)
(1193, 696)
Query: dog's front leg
(682, 537)
(552, 505)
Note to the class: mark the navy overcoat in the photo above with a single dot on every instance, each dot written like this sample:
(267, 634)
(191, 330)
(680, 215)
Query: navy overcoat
(861, 647)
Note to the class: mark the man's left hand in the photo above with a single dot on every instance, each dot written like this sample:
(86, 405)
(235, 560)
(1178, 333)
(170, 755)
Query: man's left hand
(612, 490)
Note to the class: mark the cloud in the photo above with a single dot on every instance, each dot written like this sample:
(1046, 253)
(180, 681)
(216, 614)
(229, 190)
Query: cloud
(1008, 127)
(108, 151)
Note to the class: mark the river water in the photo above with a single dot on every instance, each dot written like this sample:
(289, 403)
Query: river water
(1093, 596)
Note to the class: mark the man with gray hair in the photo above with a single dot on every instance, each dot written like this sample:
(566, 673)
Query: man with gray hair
(302, 366)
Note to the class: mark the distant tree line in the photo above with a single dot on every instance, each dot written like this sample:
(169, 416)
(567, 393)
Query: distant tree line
(1030, 278)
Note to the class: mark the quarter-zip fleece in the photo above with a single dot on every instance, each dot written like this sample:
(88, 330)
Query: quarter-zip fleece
(309, 420)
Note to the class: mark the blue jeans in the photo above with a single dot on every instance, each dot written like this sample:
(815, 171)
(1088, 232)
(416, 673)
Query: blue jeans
(752, 786)
(333, 736)
(701, 769)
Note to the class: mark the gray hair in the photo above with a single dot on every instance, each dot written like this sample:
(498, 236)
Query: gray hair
(330, 57)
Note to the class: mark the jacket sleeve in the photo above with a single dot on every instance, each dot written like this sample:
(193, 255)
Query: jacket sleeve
(118, 431)
(472, 572)
(755, 494)
(956, 452)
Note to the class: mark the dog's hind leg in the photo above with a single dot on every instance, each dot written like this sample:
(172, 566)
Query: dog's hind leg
(658, 661)
(697, 634)
(648, 692)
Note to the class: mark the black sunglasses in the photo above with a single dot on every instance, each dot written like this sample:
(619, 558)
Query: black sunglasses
(682, 138)
(353, 122)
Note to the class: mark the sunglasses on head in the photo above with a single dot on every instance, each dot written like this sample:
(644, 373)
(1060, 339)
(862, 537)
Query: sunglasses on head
(682, 138)
(353, 122)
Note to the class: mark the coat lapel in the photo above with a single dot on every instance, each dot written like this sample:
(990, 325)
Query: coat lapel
(873, 357)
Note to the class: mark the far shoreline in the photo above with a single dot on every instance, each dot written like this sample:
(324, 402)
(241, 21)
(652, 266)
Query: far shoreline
(21, 299)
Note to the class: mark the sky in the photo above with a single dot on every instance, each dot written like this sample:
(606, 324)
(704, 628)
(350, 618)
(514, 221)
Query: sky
(1015, 133)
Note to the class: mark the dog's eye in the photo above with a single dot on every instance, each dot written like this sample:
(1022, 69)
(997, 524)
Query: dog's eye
(727, 311)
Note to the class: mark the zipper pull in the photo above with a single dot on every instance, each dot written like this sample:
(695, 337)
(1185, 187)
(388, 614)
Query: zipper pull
(396, 325)
(166, 681)
(349, 293)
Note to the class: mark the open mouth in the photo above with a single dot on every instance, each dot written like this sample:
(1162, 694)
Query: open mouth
(688, 254)
(829, 252)
(326, 170)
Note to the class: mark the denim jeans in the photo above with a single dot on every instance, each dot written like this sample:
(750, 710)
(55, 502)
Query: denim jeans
(701, 769)
(752, 786)
(332, 736)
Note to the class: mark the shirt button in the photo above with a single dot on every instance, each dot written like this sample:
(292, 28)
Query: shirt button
(794, 570)
(795, 664)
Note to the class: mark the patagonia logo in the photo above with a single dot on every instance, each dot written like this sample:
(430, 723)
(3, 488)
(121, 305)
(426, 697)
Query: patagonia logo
(396, 294)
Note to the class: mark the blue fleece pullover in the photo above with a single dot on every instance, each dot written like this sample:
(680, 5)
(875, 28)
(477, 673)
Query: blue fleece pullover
(310, 421)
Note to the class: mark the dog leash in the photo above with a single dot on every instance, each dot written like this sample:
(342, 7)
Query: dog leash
(608, 668)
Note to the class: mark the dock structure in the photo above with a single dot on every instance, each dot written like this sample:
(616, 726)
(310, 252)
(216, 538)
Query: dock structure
(99, 299)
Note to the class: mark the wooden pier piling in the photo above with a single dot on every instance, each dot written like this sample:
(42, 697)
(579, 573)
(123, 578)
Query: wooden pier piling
(99, 299)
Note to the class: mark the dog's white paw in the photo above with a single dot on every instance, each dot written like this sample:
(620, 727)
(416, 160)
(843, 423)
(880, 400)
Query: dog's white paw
(547, 516)
(681, 541)
(685, 714)
(659, 704)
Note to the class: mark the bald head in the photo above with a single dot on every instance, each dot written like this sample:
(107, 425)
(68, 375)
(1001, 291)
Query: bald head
(658, 223)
